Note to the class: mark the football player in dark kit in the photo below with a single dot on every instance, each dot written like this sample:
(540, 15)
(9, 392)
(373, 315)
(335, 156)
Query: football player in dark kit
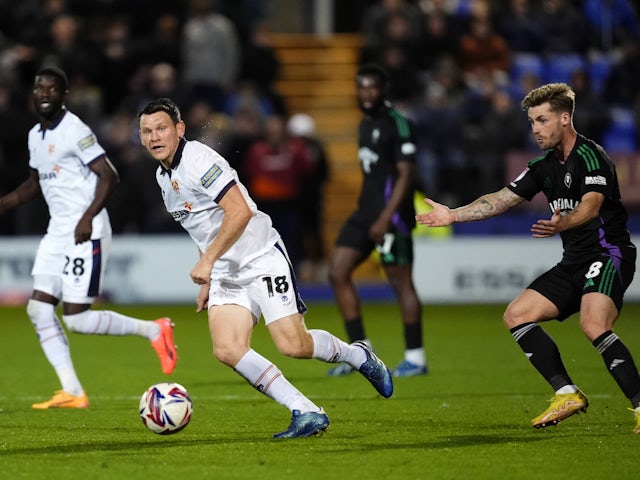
(598, 263)
(384, 219)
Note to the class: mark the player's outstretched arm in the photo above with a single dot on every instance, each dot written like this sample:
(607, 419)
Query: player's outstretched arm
(440, 216)
(486, 206)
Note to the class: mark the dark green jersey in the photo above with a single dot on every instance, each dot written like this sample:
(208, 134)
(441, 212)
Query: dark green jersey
(385, 140)
(587, 169)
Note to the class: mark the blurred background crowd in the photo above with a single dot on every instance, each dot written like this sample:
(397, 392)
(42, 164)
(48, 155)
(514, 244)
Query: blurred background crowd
(458, 69)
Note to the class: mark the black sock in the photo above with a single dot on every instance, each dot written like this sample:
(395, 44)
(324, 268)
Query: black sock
(355, 329)
(620, 365)
(413, 335)
(543, 354)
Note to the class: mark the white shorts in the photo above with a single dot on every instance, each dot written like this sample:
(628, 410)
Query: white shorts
(266, 287)
(68, 271)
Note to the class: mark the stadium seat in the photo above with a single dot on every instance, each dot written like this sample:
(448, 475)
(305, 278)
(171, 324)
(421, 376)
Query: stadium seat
(559, 68)
(524, 63)
(598, 70)
(620, 136)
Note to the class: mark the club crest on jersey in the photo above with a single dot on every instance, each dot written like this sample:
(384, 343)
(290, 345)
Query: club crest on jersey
(210, 176)
(375, 135)
(52, 148)
(567, 180)
(87, 142)
(175, 186)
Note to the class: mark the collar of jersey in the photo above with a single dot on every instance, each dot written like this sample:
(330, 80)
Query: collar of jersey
(176, 157)
(56, 122)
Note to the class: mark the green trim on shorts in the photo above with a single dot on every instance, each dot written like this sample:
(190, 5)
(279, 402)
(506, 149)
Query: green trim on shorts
(401, 251)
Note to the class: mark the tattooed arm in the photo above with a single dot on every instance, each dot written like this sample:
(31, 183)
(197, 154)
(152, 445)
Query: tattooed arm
(486, 206)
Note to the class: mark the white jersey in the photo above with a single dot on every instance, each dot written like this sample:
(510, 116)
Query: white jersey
(61, 155)
(199, 177)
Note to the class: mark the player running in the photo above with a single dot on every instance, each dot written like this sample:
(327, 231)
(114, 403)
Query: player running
(598, 263)
(73, 173)
(244, 271)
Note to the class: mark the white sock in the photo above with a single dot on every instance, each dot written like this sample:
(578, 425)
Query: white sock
(568, 389)
(54, 344)
(415, 356)
(331, 349)
(106, 322)
(265, 377)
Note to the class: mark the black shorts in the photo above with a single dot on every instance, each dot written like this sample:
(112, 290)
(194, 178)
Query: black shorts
(355, 234)
(566, 283)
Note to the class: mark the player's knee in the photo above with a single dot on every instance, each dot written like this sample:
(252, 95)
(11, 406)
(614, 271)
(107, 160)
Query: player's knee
(226, 355)
(40, 313)
(332, 276)
(77, 322)
(33, 309)
(513, 316)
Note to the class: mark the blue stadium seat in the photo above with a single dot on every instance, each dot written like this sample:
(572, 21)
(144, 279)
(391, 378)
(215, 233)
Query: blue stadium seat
(524, 63)
(598, 70)
(559, 68)
(620, 136)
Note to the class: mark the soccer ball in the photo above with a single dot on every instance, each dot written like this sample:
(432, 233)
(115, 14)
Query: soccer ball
(166, 408)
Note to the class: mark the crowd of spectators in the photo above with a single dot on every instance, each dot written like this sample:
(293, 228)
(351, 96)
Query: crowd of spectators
(458, 68)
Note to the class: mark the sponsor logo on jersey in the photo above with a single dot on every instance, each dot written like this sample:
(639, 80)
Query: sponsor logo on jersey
(49, 175)
(179, 215)
(597, 180)
(87, 142)
(408, 148)
(367, 158)
(565, 204)
(210, 176)
(567, 180)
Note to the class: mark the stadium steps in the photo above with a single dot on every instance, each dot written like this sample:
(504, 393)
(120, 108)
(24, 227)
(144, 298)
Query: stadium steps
(317, 77)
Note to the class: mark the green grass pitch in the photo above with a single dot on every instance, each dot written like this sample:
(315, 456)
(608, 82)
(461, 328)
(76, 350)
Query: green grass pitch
(468, 419)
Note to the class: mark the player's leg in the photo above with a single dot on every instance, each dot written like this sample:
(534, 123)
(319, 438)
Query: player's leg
(82, 283)
(522, 317)
(344, 260)
(54, 343)
(293, 339)
(231, 326)
(275, 292)
(47, 289)
(597, 316)
(401, 280)
(599, 310)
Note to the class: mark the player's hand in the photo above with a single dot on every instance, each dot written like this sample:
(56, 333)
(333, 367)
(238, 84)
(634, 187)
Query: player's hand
(548, 228)
(202, 300)
(83, 230)
(378, 230)
(201, 273)
(440, 216)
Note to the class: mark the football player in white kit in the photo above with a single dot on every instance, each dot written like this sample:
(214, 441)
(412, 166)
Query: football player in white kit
(73, 173)
(244, 271)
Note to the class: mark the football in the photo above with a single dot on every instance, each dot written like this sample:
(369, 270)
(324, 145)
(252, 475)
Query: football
(166, 408)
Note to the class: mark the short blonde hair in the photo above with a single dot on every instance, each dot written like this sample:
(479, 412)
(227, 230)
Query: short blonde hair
(559, 95)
